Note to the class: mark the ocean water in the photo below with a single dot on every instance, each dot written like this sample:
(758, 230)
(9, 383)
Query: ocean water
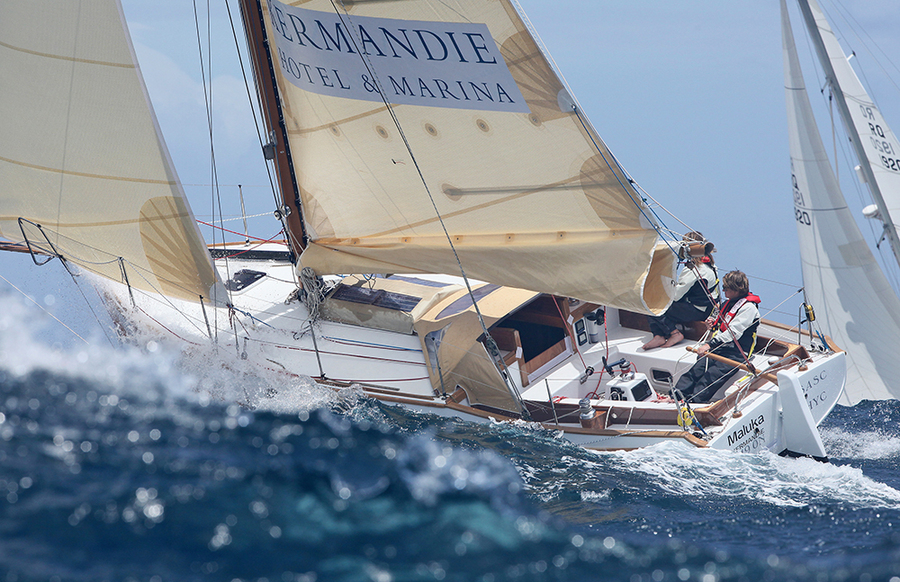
(123, 463)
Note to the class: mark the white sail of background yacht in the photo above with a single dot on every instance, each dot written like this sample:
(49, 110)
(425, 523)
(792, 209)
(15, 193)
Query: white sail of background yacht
(855, 303)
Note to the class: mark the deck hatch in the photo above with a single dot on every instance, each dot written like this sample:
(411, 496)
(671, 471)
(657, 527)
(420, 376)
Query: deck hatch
(376, 297)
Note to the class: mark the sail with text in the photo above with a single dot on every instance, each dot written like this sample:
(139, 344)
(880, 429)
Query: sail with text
(875, 143)
(405, 119)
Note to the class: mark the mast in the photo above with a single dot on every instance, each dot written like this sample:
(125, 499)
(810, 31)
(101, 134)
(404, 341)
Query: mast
(890, 230)
(278, 148)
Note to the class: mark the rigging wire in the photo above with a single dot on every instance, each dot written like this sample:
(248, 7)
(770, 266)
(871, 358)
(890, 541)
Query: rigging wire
(233, 219)
(208, 100)
(166, 300)
(94, 266)
(264, 240)
(256, 118)
(853, 24)
(42, 308)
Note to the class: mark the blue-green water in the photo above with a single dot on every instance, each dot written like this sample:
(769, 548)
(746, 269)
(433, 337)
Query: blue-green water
(125, 464)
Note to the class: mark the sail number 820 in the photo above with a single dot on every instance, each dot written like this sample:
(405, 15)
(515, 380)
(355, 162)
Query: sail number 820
(891, 163)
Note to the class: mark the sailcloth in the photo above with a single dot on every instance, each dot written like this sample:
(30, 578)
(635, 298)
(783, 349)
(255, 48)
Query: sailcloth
(406, 118)
(84, 172)
(876, 138)
(854, 302)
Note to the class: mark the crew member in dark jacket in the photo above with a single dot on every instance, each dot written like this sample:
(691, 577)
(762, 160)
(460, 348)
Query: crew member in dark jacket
(696, 293)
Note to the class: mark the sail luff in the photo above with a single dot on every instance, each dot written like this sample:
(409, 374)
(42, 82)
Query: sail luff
(816, 24)
(267, 91)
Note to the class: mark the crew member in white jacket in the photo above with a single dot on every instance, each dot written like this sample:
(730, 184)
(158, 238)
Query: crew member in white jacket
(734, 337)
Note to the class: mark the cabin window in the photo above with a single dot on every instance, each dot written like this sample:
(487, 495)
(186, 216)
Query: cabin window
(662, 377)
(243, 279)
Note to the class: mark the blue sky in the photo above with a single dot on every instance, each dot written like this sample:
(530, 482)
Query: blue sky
(688, 96)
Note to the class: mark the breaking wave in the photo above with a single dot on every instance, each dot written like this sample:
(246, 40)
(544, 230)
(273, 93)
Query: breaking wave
(144, 461)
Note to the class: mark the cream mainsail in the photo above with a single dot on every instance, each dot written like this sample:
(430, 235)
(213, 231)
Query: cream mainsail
(399, 113)
(854, 302)
(83, 168)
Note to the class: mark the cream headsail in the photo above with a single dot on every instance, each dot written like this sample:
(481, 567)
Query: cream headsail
(84, 171)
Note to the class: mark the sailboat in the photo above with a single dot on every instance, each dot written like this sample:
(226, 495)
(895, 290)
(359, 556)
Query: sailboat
(859, 309)
(458, 239)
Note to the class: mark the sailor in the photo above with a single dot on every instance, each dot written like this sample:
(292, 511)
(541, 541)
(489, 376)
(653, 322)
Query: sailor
(734, 337)
(696, 293)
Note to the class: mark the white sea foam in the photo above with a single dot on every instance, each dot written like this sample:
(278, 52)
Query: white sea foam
(594, 496)
(868, 445)
(685, 471)
(149, 367)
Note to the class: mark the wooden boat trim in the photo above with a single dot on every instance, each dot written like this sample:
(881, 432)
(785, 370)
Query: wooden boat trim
(735, 363)
(794, 329)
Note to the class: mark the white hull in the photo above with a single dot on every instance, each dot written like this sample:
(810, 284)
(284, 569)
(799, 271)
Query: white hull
(392, 367)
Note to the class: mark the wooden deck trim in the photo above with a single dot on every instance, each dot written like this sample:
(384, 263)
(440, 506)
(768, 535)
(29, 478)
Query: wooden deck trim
(607, 432)
(795, 329)
(735, 363)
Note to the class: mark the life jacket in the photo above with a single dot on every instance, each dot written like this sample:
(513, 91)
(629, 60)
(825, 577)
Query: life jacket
(727, 312)
(701, 291)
